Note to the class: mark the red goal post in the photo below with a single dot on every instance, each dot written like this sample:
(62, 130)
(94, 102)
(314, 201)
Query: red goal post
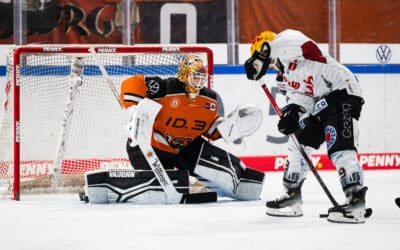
(60, 118)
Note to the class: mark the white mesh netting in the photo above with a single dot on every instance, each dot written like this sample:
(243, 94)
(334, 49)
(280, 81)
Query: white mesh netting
(68, 119)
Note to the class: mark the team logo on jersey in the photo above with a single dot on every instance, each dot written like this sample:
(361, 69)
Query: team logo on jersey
(330, 136)
(153, 87)
(174, 102)
(210, 106)
(178, 142)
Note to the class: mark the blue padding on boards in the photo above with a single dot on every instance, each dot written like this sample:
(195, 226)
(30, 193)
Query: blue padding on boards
(355, 68)
(165, 70)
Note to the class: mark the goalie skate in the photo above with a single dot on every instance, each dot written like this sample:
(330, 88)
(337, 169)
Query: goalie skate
(287, 205)
(353, 213)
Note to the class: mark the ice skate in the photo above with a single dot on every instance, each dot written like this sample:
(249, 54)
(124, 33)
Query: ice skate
(289, 204)
(353, 212)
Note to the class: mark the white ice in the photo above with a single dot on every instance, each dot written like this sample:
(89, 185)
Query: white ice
(62, 222)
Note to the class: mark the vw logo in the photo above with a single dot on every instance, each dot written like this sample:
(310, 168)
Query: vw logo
(383, 53)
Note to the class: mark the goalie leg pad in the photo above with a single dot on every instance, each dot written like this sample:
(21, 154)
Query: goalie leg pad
(135, 186)
(250, 185)
(225, 174)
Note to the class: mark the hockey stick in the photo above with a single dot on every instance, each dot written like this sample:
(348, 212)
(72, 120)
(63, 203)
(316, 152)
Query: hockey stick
(106, 76)
(145, 116)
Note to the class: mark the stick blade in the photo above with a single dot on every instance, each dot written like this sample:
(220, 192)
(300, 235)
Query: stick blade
(199, 198)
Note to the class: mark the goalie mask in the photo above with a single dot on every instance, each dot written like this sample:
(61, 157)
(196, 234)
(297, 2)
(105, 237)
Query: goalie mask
(193, 74)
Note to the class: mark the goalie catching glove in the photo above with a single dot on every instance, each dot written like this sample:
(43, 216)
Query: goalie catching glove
(239, 123)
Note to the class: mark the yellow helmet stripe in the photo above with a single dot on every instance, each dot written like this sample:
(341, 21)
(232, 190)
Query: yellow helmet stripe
(258, 41)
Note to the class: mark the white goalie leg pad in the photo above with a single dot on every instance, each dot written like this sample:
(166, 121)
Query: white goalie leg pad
(133, 186)
(225, 174)
(97, 195)
(241, 122)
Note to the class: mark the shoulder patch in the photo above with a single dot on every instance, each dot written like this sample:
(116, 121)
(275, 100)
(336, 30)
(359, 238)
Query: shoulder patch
(155, 87)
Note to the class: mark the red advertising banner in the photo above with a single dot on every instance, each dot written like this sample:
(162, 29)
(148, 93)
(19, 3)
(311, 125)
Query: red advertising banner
(369, 161)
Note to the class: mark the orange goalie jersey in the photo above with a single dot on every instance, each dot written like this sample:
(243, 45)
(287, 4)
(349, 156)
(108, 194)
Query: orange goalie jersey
(181, 120)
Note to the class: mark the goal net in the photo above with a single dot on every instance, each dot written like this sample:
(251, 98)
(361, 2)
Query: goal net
(60, 115)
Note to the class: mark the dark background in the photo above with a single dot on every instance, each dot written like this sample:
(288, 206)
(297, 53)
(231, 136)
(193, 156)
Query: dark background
(99, 21)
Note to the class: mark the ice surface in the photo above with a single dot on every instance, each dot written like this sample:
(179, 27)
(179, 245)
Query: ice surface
(62, 222)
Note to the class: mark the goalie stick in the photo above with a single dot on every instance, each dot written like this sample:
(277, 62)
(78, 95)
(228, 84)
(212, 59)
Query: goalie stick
(104, 72)
(368, 211)
(144, 120)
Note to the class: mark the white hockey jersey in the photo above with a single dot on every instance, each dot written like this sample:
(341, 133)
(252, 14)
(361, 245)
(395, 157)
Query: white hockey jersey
(309, 73)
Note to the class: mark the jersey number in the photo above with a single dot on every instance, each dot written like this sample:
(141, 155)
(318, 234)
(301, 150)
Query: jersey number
(182, 123)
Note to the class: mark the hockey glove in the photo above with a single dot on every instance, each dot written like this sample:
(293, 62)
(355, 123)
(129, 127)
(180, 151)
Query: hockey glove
(289, 121)
(256, 66)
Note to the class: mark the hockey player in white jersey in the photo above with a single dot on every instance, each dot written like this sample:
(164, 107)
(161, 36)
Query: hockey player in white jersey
(324, 102)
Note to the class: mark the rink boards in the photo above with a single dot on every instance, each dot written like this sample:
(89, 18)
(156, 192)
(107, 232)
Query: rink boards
(265, 150)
